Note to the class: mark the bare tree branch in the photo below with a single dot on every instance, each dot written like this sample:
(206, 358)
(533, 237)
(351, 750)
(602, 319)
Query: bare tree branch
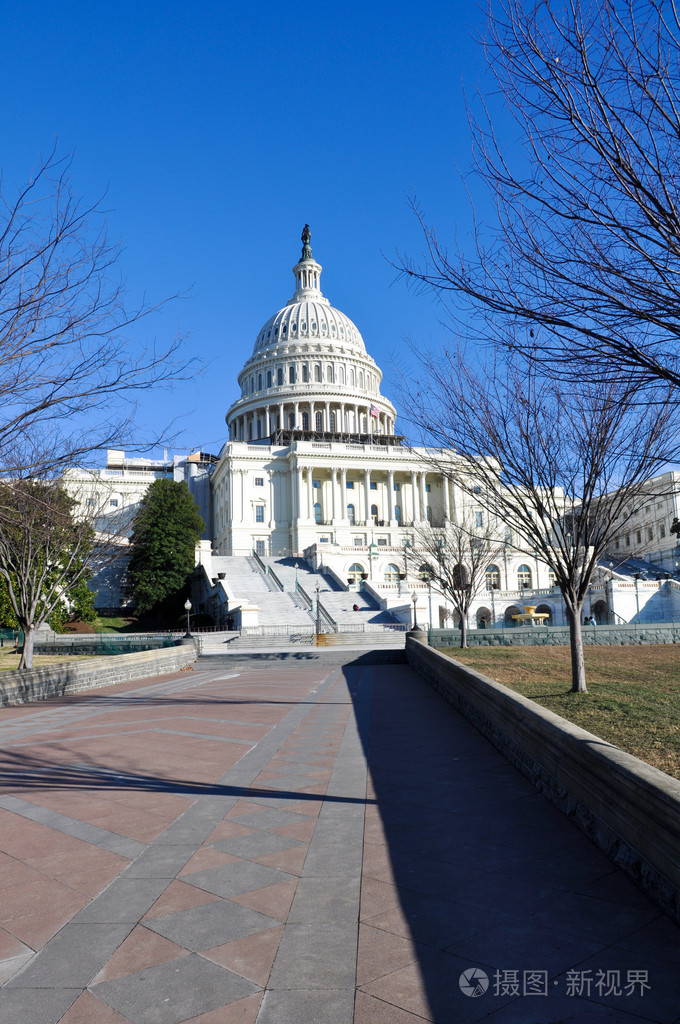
(70, 365)
(581, 268)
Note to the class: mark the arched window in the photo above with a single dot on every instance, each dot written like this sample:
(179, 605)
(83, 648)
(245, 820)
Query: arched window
(291, 420)
(317, 372)
(259, 382)
(391, 574)
(305, 421)
(483, 617)
(493, 577)
(331, 418)
(319, 421)
(279, 376)
(397, 513)
(361, 378)
(352, 377)
(305, 373)
(317, 512)
(341, 375)
(544, 608)
(329, 373)
(252, 385)
(356, 571)
(509, 612)
(524, 577)
(269, 378)
(374, 513)
(350, 514)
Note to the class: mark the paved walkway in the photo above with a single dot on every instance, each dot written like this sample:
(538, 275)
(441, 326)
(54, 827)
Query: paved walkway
(294, 844)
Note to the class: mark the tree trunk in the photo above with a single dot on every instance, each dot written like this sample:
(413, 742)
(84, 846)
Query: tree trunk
(26, 659)
(578, 668)
(463, 631)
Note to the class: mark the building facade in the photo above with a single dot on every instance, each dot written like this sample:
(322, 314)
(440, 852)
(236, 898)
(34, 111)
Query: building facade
(314, 468)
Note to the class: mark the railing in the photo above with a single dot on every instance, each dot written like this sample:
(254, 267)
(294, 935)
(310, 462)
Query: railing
(303, 594)
(326, 617)
(275, 578)
(259, 561)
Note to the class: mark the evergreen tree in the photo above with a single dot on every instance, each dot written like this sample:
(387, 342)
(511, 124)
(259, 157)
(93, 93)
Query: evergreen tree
(164, 535)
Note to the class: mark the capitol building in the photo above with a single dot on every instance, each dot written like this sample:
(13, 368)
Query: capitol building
(316, 488)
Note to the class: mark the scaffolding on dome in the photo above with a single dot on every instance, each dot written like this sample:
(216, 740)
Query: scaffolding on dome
(286, 437)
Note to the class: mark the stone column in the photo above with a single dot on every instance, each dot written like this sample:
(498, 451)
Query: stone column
(423, 497)
(310, 494)
(282, 421)
(296, 413)
(343, 494)
(390, 498)
(447, 505)
(414, 497)
(367, 494)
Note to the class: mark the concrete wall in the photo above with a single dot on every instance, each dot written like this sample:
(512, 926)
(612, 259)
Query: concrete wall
(655, 633)
(630, 810)
(57, 680)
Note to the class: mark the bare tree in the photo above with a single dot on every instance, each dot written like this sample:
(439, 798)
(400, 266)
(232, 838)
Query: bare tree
(454, 559)
(580, 266)
(44, 552)
(563, 467)
(69, 362)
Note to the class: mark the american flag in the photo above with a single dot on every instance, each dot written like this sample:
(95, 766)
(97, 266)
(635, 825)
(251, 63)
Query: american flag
(375, 411)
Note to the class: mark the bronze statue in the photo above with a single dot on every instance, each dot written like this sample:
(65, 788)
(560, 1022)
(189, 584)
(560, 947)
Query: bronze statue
(306, 235)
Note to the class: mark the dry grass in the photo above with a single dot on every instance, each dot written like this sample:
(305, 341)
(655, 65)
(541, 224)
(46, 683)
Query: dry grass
(633, 699)
(9, 660)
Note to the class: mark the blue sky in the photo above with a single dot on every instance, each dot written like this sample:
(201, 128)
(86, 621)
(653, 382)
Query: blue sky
(218, 130)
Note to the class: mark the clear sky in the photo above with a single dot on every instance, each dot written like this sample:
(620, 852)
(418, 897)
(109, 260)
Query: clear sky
(218, 129)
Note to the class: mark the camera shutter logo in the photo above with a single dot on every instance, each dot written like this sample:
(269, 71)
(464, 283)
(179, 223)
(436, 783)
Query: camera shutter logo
(473, 982)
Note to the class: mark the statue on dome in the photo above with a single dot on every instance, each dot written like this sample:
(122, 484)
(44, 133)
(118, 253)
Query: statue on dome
(306, 235)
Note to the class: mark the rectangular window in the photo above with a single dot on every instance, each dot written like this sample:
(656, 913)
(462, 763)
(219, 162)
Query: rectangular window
(627, 540)
(259, 481)
(89, 502)
(382, 542)
(113, 502)
(261, 547)
(259, 513)
(427, 487)
(323, 540)
(478, 518)
(650, 533)
(374, 486)
(316, 483)
(618, 544)
(638, 536)
(662, 530)
(397, 487)
(350, 485)
(358, 542)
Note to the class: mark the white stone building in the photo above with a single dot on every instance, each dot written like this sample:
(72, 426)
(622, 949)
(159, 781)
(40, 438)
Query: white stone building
(314, 469)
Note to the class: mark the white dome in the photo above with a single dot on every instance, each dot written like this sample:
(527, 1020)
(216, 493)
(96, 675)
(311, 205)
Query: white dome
(309, 319)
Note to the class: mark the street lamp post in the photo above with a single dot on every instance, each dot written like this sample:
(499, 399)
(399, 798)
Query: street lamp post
(187, 609)
(318, 613)
(637, 600)
(414, 598)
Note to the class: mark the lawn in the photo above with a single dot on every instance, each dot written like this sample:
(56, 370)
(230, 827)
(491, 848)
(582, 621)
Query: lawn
(633, 697)
(10, 660)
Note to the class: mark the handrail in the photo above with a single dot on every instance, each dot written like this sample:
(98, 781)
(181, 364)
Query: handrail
(276, 579)
(259, 561)
(327, 618)
(303, 594)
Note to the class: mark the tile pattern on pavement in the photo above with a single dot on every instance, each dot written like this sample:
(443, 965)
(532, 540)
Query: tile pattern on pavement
(294, 843)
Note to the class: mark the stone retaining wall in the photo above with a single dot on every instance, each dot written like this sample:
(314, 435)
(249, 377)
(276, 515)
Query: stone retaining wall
(630, 810)
(64, 678)
(656, 633)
